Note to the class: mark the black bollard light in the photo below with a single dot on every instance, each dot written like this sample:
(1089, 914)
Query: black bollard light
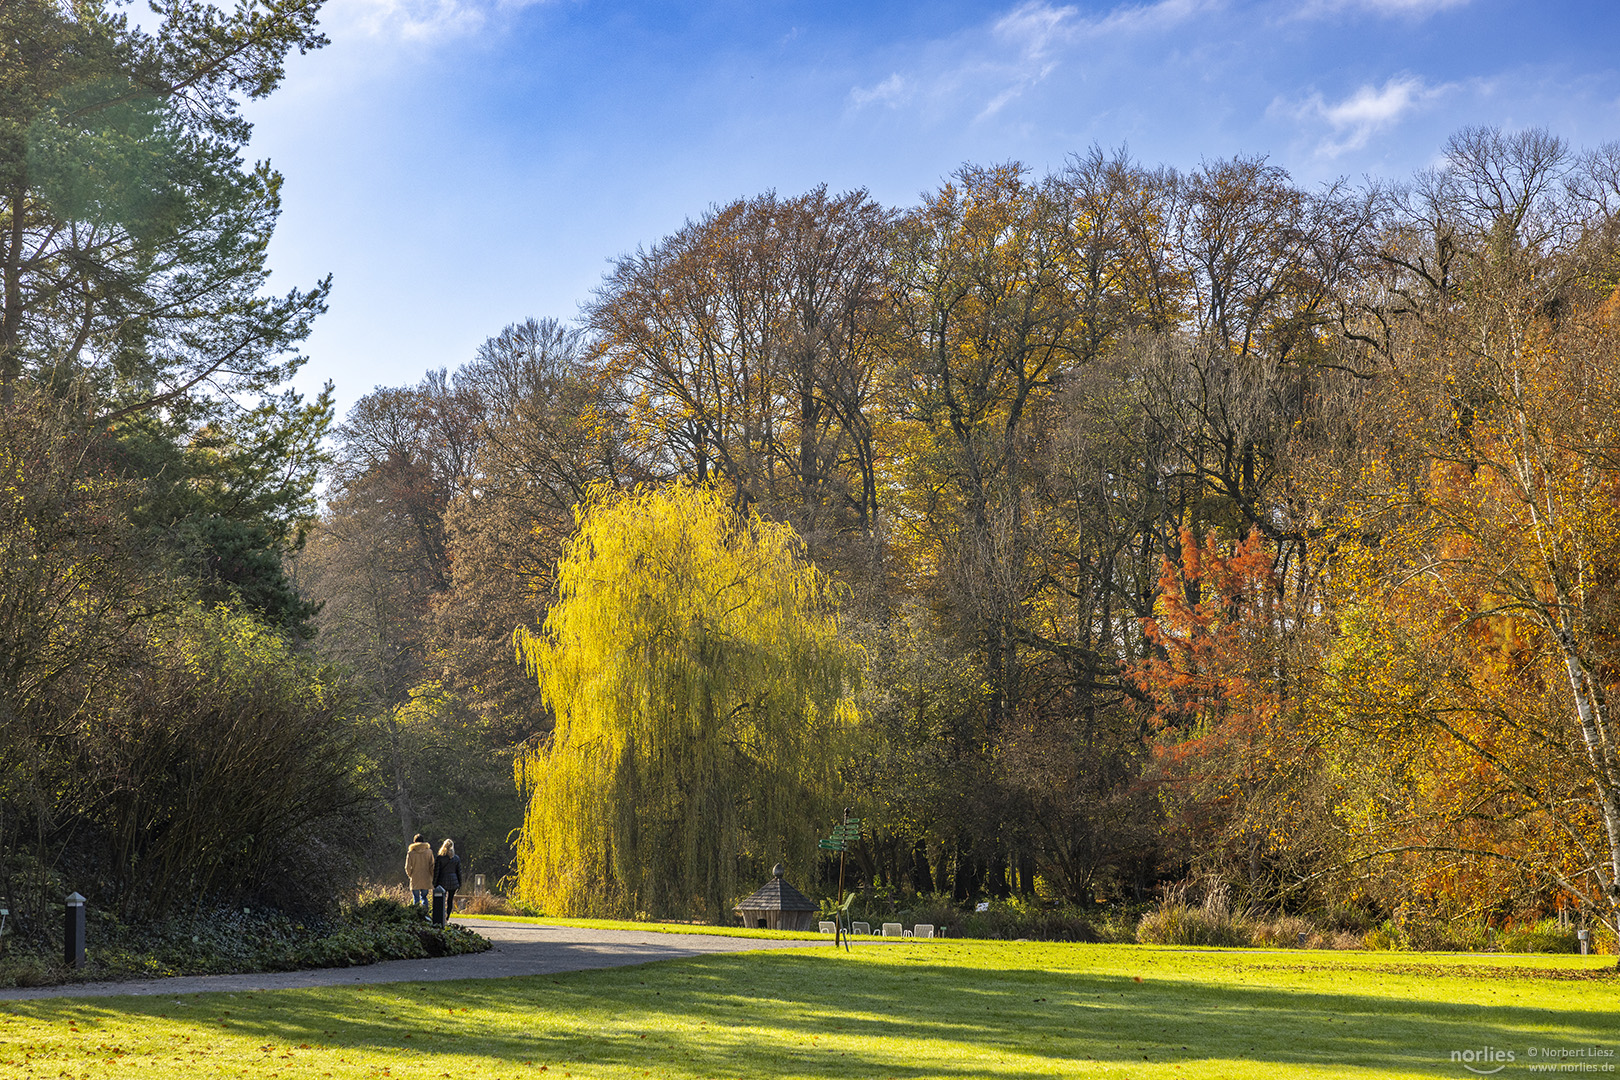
(438, 905)
(73, 933)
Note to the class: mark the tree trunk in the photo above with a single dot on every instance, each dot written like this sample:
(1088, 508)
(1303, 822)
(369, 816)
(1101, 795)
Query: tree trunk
(11, 316)
(922, 878)
(402, 798)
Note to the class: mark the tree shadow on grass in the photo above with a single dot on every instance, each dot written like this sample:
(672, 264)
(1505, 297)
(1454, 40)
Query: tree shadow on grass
(818, 1014)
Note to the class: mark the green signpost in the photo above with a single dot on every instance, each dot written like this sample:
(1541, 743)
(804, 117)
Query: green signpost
(845, 833)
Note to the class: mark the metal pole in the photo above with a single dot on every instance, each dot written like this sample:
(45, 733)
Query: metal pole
(840, 879)
(438, 905)
(73, 932)
(843, 849)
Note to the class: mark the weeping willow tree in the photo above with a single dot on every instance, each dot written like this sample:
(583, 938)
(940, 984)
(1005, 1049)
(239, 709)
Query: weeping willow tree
(700, 687)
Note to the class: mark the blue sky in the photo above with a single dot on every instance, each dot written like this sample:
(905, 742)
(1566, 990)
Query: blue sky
(459, 165)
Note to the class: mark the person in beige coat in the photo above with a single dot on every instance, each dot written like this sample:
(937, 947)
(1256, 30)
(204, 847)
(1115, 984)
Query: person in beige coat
(419, 869)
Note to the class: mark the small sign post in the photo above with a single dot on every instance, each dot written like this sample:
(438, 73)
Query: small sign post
(73, 932)
(438, 905)
(845, 833)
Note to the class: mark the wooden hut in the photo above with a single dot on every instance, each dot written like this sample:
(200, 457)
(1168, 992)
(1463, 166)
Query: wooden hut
(776, 905)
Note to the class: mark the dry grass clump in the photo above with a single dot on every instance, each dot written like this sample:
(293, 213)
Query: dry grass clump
(367, 891)
(1214, 921)
(1284, 932)
(1177, 921)
(486, 903)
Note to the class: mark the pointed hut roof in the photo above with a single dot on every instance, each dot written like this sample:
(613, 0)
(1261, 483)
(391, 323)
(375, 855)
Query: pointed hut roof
(777, 895)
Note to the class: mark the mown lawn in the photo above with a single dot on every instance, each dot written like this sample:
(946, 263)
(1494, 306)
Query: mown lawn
(950, 1009)
(646, 927)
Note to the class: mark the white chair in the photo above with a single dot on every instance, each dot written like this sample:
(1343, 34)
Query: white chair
(860, 928)
(924, 930)
(892, 929)
(828, 927)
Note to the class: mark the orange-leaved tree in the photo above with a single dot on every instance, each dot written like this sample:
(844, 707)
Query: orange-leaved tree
(1226, 757)
(1476, 594)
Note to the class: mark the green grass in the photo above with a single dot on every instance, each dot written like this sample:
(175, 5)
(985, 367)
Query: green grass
(948, 1009)
(649, 927)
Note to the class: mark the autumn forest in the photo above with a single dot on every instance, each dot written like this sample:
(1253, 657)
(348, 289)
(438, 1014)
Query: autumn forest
(1088, 534)
(1186, 524)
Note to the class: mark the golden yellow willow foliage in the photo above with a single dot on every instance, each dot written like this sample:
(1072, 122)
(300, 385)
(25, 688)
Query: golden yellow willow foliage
(701, 688)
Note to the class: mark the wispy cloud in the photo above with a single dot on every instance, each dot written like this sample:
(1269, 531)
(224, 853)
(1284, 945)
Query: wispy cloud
(993, 64)
(1364, 113)
(1034, 33)
(1146, 18)
(1035, 28)
(891, 91)
(418, 20)
(1411, 8)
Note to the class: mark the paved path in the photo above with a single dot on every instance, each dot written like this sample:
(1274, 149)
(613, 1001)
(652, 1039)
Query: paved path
(520, 949)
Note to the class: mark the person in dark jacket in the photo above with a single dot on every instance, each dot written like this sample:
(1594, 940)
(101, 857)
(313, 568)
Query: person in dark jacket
(447, 874)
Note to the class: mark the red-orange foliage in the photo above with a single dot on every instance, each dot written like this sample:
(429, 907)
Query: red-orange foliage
(1216, 620)
(1215, 685)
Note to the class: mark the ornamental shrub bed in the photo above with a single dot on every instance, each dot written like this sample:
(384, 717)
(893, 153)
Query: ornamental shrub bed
(224, 941)
(1210, 918)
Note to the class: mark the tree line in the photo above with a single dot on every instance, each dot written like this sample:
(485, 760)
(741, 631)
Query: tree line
(1185, 523)
(1189, 522)
(167, 738)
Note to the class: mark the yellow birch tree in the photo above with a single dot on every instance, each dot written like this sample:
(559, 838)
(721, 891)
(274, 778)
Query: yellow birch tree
(1477, 646)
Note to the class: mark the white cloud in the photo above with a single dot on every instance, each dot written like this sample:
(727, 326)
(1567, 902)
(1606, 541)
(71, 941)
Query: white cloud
(1413, 8)
(993, 64)
(1367, 111)
(416, 20)
(891, 91)
(1034, 31)
(1408, 7)
(1035, 27)
(1164, 15)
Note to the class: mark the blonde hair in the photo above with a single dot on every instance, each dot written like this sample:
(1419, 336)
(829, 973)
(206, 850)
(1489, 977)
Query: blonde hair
(447, 848)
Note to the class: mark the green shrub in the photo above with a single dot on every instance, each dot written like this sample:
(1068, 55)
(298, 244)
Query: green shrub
(1386, 936)
(1117, 926)
(234, 940)
(1417, 933)
(1012, 922)
(1003, 920)
(27, 969)
(1349, 917)
(1546, 936)
(1430, 934)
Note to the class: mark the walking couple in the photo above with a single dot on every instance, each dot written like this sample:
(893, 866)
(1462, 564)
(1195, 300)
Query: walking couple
(426, 870)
